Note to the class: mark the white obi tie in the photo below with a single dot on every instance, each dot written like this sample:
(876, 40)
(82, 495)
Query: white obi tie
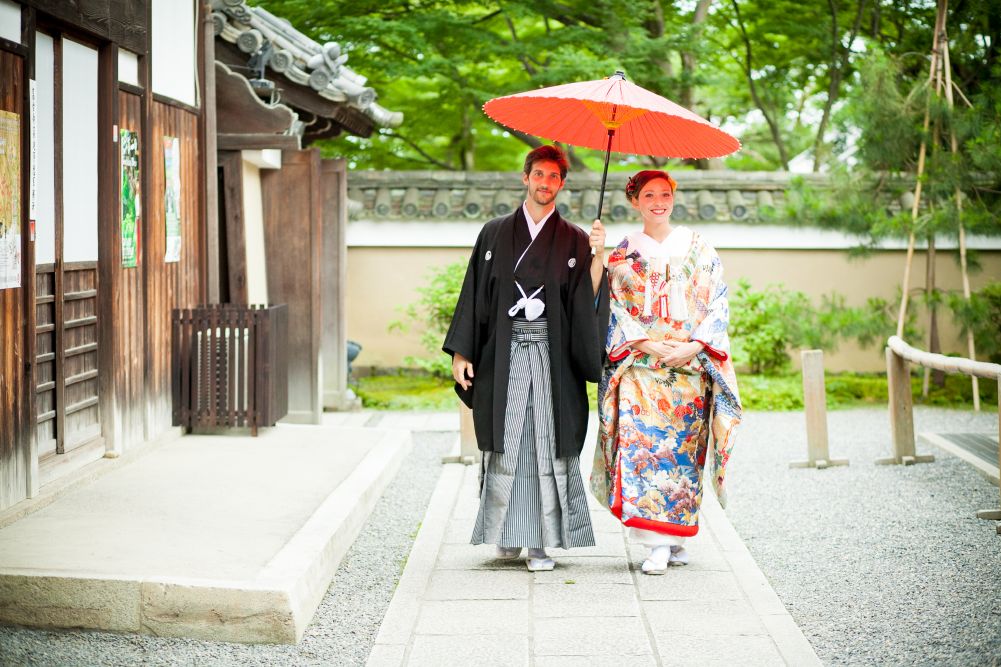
(533, 307)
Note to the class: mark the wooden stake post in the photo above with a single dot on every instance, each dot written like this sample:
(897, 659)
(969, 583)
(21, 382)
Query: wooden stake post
(815, 407)
(469, 453)
(995, 514)
(898, 380)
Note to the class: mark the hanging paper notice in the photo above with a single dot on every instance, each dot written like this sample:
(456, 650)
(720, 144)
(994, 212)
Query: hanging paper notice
(10, 200)
(33, 138)
(131, 202)
(172, 197)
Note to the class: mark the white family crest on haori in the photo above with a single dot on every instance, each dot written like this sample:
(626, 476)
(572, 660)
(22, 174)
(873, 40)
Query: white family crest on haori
(572, 263)
(488, 256)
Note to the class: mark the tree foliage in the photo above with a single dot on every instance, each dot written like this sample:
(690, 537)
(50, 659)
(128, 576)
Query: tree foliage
(777, 72)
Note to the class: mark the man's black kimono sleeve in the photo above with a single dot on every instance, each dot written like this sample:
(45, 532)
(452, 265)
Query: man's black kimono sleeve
(463, 335)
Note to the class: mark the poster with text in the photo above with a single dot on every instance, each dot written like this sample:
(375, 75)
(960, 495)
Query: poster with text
(172, 197)
(10, 200)
(131, 198)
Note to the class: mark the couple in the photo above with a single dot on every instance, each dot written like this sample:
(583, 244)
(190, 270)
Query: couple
(538, 316)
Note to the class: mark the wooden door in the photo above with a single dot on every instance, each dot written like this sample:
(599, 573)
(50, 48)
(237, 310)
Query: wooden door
(15, 456)
(66, 278)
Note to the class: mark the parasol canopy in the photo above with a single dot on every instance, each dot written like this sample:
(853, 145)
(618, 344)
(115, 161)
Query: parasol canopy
(612, 114)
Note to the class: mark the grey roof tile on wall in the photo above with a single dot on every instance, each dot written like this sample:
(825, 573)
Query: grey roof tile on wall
(716, 196)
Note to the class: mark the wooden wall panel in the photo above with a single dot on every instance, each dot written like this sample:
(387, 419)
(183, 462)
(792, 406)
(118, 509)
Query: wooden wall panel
(170, 284)
(80, 365)
(293, 239)
(13, 389)
(129, 301)
(45, 360)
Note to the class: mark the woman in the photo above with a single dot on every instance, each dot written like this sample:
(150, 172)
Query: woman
(668, 382)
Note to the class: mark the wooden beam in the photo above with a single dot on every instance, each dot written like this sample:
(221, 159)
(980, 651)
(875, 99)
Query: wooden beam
(124, 22)
(58, 374)
(299, 97)
(240, 142)
(231, 197)
(208, 131)
(108, 250)
(29, 424)
(240, 111)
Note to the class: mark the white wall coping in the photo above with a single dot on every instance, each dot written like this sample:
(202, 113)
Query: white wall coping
(424, 234)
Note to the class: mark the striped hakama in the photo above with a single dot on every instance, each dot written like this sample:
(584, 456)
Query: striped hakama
(528, 496)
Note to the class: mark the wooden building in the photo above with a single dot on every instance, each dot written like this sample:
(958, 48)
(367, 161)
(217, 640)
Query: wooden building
(278, 89)
(120, 201)
(86, 327)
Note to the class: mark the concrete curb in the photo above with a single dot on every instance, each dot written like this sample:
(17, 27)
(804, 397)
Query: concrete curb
(276, 606)
(790, 640)
(396, 631)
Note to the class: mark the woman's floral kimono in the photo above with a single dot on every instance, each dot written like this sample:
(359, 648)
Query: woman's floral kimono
(656, 423)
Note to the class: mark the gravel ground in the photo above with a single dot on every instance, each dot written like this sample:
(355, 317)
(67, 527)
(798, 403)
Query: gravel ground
(346, 623)
(879, 565)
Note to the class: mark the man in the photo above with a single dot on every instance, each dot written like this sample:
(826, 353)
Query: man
(528, 331)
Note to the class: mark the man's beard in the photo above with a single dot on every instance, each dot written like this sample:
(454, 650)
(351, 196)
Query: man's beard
(543, 197)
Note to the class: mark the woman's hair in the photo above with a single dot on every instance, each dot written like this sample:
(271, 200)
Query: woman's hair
(638, 180)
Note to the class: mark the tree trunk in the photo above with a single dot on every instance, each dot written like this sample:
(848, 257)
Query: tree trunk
(773, 127)
(934, 345)
(839, 61)
(655, 28)
(466, 143)
(688, 60)
(932, 77)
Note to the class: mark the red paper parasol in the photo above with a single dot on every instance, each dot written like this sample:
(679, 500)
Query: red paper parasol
(612, 113)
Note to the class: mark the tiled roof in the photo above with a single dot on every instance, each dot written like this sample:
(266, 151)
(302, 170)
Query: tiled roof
(732, 209)
(285, 50)
(710, 196)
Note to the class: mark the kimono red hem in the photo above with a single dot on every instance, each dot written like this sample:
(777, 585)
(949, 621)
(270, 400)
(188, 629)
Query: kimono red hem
(646, 524)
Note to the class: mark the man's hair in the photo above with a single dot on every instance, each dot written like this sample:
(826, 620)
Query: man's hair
(548, 153)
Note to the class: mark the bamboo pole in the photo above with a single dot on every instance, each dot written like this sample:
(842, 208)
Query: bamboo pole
(922, 151)
(930, 254)
(954, 146)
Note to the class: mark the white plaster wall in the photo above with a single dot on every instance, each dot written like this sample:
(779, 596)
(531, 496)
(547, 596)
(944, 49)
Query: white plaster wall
(79, 152)
(173, 36)
(10, 21)
(45, 167)
(128, 67)
(253, 221)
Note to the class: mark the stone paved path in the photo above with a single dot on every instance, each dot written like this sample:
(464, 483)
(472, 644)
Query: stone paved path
(456, 605)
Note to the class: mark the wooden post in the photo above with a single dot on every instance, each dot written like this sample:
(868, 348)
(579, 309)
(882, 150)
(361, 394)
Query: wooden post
(469, 453)
(815, 407)
(995, 514)
(898, 381)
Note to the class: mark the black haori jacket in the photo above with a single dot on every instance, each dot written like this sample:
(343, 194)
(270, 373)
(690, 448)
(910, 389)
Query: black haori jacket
(577, 323)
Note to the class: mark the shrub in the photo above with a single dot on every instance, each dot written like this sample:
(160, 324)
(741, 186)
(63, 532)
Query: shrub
(982, 313)
(765, 325)
(432, 313)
